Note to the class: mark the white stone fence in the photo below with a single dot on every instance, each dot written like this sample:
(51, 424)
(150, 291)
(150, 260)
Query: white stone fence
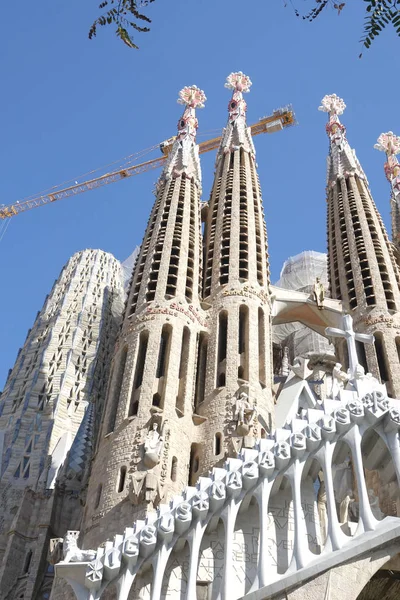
(286, 454)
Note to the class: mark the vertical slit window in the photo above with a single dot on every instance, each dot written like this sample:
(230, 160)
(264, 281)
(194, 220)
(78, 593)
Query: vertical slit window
(201, 368)
(398, 347)
(194, 464)
(174, 468)
(163, 352)
(362, 357)
(139, 370)
(217, 444)
(261, 347)
(183, 372)
(98, 495)
(380, 355)
(243, 367)
(117, 389)
(222, 348)
(27, 562)
(121, 479)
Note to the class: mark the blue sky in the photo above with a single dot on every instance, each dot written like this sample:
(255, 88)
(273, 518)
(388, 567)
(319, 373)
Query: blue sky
(69, 105)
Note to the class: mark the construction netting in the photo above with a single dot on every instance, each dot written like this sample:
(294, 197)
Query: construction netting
(299, 273)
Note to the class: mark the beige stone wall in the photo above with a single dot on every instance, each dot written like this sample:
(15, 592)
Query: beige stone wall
(63, 365)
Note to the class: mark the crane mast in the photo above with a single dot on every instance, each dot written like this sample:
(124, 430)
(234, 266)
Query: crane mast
(280, 119)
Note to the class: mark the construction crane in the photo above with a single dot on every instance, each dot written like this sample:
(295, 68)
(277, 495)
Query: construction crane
(280, 119)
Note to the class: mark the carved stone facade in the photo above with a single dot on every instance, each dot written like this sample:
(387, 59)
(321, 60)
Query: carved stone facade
(47, 420)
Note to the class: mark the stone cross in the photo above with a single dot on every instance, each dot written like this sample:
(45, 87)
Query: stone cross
(351, 337)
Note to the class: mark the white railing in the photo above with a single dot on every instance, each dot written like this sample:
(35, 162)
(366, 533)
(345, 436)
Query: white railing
(263, 473)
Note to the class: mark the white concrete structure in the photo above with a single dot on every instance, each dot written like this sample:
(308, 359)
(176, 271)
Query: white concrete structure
(264, 501)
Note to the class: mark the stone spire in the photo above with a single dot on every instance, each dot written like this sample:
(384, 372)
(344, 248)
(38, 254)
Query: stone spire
(342, 159)
(390, 144)
(147, 432)
(236, 133)
(184, 156)
(362, 268)
(169, 261)
(236, 215)
(236, 277)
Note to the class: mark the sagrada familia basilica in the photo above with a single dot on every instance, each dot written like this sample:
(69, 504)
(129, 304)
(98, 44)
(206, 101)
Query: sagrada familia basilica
(216, 437)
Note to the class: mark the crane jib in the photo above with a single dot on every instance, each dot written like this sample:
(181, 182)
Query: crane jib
(280, 119)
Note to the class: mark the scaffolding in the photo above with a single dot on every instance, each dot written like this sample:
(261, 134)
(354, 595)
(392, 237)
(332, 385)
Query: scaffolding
(299, 273)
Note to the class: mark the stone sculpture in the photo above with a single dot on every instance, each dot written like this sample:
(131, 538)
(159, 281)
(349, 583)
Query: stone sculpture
(285, 362)
(339, 379)
(374, 504)
(71, 551)
(153, 447)
(245, 414)
(322, 510)
(55, 551)
(343, 486)
(136, 486)
(319, 293)
(147, 481)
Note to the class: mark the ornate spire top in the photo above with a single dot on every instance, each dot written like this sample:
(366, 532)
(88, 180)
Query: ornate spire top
(237, 134)
(240, 84)
(342, 160)
(332, 104)
(192, 96)
(335, 106)
(390, 144)
(184, 155)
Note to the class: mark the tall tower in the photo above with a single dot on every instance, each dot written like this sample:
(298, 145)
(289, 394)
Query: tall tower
(235, 286)
(362, 268)
(60, 371)
(390, 144)
(146, 436)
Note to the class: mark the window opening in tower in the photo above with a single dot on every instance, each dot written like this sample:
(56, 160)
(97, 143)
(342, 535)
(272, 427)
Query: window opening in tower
(117, 389)
(243, 358)
(202, 346)
(138, 378)
(261, 347)
(222, 348)
(380, 355)
(183, 372)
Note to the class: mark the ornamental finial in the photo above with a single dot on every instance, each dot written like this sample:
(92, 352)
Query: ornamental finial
(192, 96)
(238, 81)
(237, 107)
(332, 104)
(388, 143)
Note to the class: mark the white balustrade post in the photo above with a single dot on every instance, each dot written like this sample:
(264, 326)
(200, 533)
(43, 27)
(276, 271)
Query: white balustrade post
(159, 563)
(195, 537)
(229, 517)
(262, 494)
(300, 550)
(334, 535)
(367, 519)
(125, 583)
(392, 437)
